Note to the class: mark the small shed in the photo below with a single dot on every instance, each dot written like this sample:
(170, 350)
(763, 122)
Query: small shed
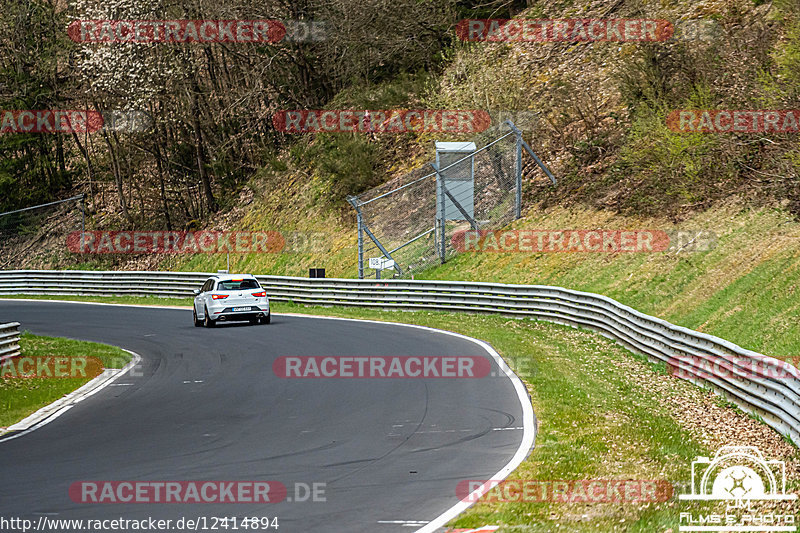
(456, 165)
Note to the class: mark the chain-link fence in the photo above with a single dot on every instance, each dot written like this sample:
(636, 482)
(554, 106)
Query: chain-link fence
(408, 224)
(25, 232)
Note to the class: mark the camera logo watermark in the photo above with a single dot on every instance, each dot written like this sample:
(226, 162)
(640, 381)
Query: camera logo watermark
(381, 121)
(50, 367)
(196, 242)
(176, 31)
(564, 30)
(738, 475)
(580, 240)
(565, 491)
(734, 121)
(382, 367)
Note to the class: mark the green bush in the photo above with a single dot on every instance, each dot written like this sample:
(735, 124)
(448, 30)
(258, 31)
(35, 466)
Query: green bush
(342, 164)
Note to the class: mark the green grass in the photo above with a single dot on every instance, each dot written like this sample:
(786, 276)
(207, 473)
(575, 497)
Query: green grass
(19, 397)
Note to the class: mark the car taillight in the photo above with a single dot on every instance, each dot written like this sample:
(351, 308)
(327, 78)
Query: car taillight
(218, 296)
(261, 294)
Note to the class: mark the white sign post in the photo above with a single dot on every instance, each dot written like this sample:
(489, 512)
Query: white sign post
(380, 263)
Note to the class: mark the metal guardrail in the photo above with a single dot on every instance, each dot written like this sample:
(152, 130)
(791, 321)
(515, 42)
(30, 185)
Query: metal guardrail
(9, 340)
(757, 383)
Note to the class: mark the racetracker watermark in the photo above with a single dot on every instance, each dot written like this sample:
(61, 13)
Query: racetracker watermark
(565, 491)
(73, 121)
(82, 367)
(50, 121)
(564, 30)
(381, 121)
(734, 367)
(523, 120)
(734, 121)
(581, 240)
(127, 121)
(382, 367)
(176, 31)
(305, 31)
(182, 492)
(698, 30)
(212, 522)
(196, 242)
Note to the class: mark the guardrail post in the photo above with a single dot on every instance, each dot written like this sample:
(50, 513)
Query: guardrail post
(9, 340)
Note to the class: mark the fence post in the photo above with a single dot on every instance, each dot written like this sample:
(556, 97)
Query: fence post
(442, 217)
(83, 221)
(354, 202)
(360, 246)
(360, 249)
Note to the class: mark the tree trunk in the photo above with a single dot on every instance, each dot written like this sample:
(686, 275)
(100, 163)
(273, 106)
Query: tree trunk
(118, 179)
(199, 148)
(160, 170)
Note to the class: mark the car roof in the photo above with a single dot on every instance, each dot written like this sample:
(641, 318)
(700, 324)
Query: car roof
(229, 277)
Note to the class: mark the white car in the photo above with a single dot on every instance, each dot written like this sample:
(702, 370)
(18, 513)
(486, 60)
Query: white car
(229, 297)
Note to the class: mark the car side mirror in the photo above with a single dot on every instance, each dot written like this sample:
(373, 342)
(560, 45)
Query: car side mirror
(196, 292)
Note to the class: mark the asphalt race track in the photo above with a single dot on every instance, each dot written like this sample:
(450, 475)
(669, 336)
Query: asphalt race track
(206, 405)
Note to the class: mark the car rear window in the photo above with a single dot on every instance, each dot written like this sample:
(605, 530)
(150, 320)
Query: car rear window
(237, 285)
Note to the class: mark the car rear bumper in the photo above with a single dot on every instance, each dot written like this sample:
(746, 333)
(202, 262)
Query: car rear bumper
(228, 313)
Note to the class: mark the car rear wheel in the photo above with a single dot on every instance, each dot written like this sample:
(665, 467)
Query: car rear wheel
(266, 319)
(197, 323)
(207, 321)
